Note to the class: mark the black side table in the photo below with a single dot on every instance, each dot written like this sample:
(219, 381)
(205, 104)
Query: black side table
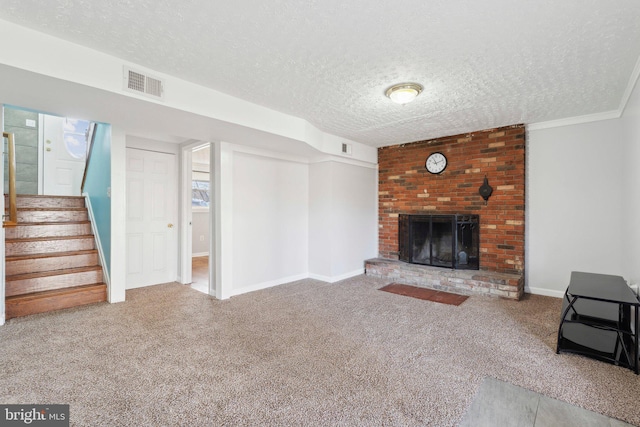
(600, 319)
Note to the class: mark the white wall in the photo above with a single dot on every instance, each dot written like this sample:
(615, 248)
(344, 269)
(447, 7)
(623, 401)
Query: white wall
(320, 220)
(574, 203)
(118, 276)
(343, 230)
(585, 177)
(283, 219)
(630, 126)
(270, 209)
(200, 227)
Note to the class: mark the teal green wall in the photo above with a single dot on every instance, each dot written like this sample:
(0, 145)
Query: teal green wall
(97, 185)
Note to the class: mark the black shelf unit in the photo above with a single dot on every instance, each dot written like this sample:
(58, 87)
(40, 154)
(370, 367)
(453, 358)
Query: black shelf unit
(600, 320)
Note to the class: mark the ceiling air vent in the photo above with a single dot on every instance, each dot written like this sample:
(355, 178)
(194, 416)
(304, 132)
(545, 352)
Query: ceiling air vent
(135, 81)
(346, 148)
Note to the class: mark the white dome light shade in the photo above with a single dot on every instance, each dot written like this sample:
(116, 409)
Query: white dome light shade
(404, 92)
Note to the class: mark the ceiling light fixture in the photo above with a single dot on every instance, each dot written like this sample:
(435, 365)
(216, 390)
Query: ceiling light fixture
(404, 93)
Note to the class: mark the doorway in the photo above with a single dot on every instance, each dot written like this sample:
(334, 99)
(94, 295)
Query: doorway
(64, 155)
(51, 151)
(200, 217)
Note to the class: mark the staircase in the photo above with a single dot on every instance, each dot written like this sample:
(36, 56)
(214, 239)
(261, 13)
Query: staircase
(51, 257)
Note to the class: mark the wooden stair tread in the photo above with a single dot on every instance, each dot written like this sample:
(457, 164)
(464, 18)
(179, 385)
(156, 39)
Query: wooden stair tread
(63, 271)
(45, 196)
(56, 209)
(45, 239)
(50, 255)
(57, 299)
(56, 292)
(53, 223)
(51, 273)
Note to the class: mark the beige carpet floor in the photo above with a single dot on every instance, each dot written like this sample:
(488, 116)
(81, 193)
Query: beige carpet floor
(304, 354)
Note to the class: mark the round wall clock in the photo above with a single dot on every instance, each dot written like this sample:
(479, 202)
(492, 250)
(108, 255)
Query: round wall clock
(436, 163)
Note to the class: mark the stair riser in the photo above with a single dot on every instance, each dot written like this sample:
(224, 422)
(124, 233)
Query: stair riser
(27, 286)
(38, 265)
(47, 202)
(19, 308)
(52, 216)
(48, 246)
(57, 230)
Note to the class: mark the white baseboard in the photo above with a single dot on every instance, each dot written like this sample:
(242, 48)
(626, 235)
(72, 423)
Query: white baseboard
(282, 281)
(334, 279)
(543, 291)
(268, 284)
(199, 254)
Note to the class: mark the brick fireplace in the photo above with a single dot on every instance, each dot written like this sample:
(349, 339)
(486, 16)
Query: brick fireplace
(406, 187)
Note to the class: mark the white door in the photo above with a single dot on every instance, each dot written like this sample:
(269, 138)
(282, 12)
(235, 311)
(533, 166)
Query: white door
(152, 210)
(63, 160)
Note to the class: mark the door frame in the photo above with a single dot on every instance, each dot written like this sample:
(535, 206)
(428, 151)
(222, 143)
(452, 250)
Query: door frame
(41, 153)
(186, 216)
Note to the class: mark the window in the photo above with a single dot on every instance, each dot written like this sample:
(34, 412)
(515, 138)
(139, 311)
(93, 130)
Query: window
(200, 196)
(75, 137)
(200, 179)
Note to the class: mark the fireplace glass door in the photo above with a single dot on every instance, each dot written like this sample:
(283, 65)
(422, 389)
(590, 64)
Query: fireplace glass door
(450, 241)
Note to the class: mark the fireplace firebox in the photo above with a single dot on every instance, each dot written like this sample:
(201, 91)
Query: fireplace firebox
(451, 241)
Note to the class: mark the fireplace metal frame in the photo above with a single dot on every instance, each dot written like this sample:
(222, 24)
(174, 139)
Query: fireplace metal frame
(406, 224)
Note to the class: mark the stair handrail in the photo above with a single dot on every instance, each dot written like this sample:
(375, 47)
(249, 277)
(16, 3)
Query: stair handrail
(11, 160)
(91, 135)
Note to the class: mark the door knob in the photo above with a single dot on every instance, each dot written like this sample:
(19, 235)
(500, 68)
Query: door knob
(170, 225)
(48, 148)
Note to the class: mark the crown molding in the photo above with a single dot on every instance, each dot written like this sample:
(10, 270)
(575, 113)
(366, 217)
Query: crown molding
(605, 115)
(630, 86)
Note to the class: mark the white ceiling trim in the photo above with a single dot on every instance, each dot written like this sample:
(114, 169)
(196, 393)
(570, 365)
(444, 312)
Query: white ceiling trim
(347, 161)
(635, 75)
(606, 115)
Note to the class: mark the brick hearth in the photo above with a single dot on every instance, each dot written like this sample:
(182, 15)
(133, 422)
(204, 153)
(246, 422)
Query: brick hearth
(466, 282)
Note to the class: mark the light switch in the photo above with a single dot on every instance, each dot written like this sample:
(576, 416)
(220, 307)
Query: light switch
(30, 123)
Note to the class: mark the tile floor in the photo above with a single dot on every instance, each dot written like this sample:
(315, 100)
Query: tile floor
(498, 403)
(425, 294)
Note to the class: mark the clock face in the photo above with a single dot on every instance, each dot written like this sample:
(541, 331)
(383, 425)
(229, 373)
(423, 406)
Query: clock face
(436, 163)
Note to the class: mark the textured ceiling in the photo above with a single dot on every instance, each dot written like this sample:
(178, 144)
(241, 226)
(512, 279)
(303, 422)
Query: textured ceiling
(483, 63)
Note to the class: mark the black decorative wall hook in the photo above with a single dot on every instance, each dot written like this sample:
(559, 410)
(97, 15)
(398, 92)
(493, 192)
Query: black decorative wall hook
(485, 190)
